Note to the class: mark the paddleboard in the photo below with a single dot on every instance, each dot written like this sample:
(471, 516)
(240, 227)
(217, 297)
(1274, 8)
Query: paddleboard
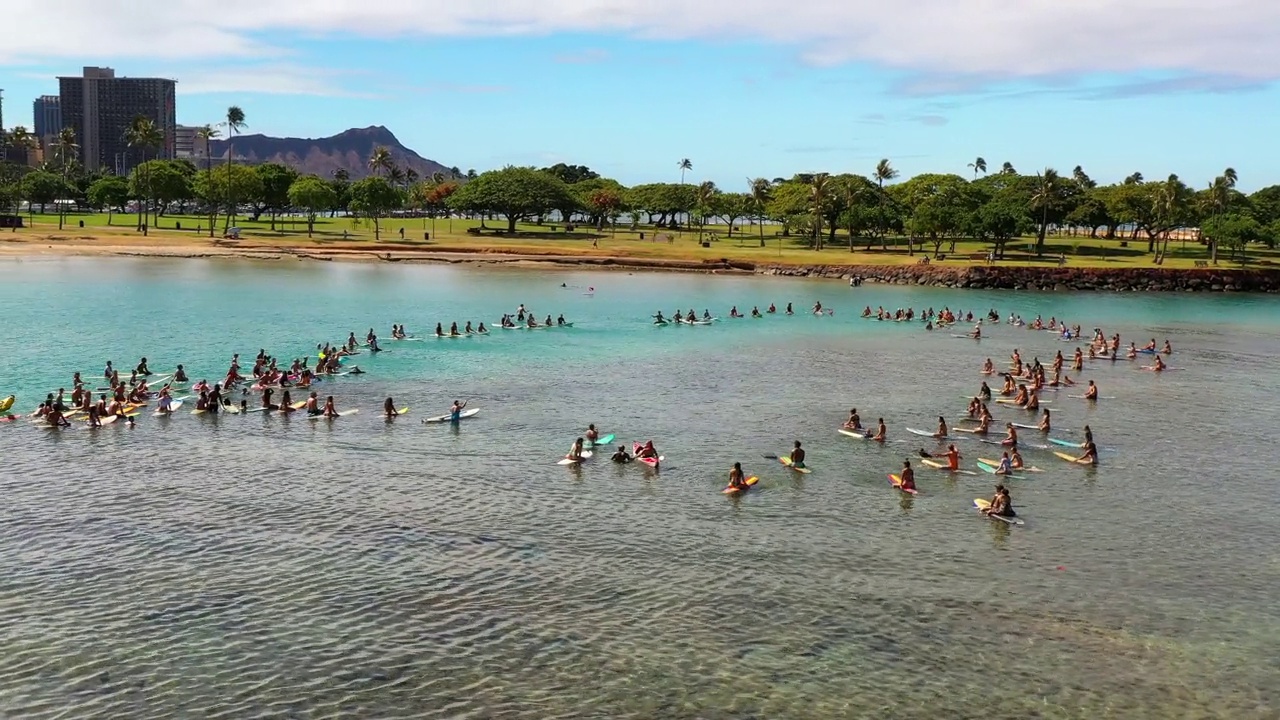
(924, 433)
(991, 470)
(173, 407)
(855, 434)
(749, 482)
(982, 504)
(787, 461)
(1071, 458)
(602, 440)
(896, 481)
(569, 461)
(944, 467)
(966, 337)
(344, 413)
(446, 417)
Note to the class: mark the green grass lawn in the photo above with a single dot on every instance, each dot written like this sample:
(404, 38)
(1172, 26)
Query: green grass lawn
(551, 239)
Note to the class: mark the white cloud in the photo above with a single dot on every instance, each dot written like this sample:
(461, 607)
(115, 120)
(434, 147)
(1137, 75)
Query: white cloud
(955, 38)
(273, 79)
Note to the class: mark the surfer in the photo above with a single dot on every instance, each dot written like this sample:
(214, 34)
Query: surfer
(453, 330)
(1045, 425)
(1167, 350)
(882, 432)
(797, 456)
(439, 330)
(1159, 366)
(854, 422)
(737, 480)
(817, 308)
(942, 428)
(1015, 459)
(143, 370)
(330, 411)
(575, 452)
(313, 404)
(621, 456)
(455, 412)
(1011, 438)
(755, 311)
(1006, 465)
(389, 408)
(953, 458)
(1090, 455)
(772, 309)
(592, 434)
(789, 311)
(481, 329)
(988, 368)
(1091, 393)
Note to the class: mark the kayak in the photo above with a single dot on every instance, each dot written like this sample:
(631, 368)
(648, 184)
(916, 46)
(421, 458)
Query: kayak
(447, 417)
(570, 461)
(896, 481)
(983, 504)
(991, 470)
(344, 413)
(749, 483)
(787, 461)
(173, 407)
(653, 462)
(605, 440)
(855, 434)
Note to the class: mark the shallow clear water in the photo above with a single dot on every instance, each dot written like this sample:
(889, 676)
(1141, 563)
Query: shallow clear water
(254, 566)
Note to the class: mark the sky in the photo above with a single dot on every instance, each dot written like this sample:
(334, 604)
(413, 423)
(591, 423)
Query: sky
(743, 88)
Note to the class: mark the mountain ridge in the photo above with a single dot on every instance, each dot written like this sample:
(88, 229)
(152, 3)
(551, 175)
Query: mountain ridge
(348, 150)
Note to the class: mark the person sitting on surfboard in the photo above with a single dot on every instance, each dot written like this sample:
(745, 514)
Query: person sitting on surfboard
(560, 320)
(772, 308)
(942, 428)
(330, 411)
(953, 458)
(797, 456)
(1015, 459)
(1033, 401)
(455, 412)
(817, 308)
(1045, 424)
(575, 452)
(389, 408)
(482, 329)
(789, 311)
(1159, 366)
(882, 432)
(988, 367)
(621, 456)
(1011, 438)
(755, 311)
(1006, 465)
(439, 330)
(453, 330)
(1090, 455)
(733, 312)
(286, 402)
(737, 480)
(313, 404)
(1167, 350)
(468, 330)
(1001, 504)
(854, 422)
(907, 478)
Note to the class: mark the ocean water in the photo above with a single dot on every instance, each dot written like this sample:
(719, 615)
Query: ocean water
(263, 567)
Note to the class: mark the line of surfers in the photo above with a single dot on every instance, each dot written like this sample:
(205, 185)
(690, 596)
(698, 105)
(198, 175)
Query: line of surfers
(522, 318)
(931, 318)
(691, 318)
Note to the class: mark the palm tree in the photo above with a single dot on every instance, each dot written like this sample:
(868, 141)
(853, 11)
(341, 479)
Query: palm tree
(380, 160)
(1218, 198)
(1171, 202)
(437, 178)
(1047, 187)
(1230, 176)
(1007, 169)
(819, 189)
(1082, 178)
(1134, 179)
(761, 191)
(702, 198)
(65, 148)
(206, 134)
(410, 177)
(684, 164)
(979, 166)
(19, 139)
(884, 171)
(235, 123)
(144, 134)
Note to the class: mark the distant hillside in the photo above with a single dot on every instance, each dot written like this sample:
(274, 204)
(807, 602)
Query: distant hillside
(349, 150)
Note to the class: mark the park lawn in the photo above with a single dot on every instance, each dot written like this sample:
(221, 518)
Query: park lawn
(550, 240)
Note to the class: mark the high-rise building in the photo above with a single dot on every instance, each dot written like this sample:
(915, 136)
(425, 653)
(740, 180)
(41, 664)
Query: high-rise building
(184, 142)
(100, 107)
(48, 118)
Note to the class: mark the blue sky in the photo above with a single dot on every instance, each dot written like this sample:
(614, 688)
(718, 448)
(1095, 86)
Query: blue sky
(745, 88)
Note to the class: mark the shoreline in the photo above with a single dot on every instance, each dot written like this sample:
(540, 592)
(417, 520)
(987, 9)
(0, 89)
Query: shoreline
(964, 276)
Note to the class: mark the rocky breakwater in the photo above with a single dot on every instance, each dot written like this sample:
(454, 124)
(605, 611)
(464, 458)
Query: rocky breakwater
(1043, 278)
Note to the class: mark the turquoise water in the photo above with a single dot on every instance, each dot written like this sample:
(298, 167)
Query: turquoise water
(251, 566)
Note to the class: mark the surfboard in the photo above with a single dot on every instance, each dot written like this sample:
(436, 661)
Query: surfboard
(982, 504)
(173, 407)
(446, 417)
(787, 461)
(854, 434)
(991, 470)
(604, 440)
(344, 413)
(399, 412)
(924, 433)
(569, 461)
(1024, 426)
(1071, 458)
(996, 463)
(1065, 443)
(896, 481)
(749, 482)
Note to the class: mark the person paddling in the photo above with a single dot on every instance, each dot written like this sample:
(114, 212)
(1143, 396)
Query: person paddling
(455, 412)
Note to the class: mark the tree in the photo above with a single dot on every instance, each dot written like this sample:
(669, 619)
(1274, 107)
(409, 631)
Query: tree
(732, 207)
(760, 192)
(110, 192)
(341, 185)
(704, 200)
(380, 161)
(819, 196)
(1007, 169)
(571, 174)
(161, 180)
(1173, 209)
(1045, 196)
(1000, 219)
(205, 134)
(684, 165)
(789, 201)
(604, 203)
(374, 197)
(1235, 232)
(144, 135)
(515, 193)
(884, 171)
(224, 181)
(41, 186)
(66, 151)
(1082, 178)
(276, 180)
(979, 166)
(313, 195)
(235, 123)
(583, 191)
